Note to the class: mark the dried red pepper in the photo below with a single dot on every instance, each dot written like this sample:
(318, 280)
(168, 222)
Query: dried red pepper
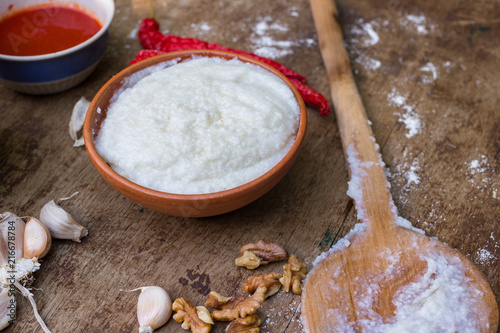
(144, 54)
(312, 97)
(156, 43)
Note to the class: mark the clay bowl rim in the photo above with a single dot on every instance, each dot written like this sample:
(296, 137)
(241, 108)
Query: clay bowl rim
(174, 198)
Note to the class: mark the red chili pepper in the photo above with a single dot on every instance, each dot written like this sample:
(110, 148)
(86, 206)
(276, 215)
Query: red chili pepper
(144, 54)
(156, 43)
(151, 38)
(312, 97)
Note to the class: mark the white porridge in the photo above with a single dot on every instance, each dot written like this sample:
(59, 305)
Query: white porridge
(200, 126)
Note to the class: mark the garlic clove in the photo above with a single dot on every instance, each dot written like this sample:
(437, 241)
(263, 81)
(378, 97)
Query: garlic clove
(7, 308)
(77, 120)
(12, 229)
(37, 239)
(61, 224)
(154, 308)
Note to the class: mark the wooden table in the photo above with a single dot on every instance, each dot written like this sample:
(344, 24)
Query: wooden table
(429, 76)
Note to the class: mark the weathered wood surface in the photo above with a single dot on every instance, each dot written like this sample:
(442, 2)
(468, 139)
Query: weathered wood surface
(445, 177)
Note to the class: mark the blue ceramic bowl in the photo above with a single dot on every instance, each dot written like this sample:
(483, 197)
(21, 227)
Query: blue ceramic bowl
(58, 71)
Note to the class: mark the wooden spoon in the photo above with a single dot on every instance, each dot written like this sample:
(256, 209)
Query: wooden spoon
(358, 284)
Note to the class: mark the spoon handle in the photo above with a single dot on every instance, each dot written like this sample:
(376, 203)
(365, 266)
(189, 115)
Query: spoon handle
(368, 186)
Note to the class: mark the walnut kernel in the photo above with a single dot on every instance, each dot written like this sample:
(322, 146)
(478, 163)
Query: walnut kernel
(249, 324)
(216, 300)
(187, 314)
(265, 251)
(293, 273)
(267, 283)
(204, 315)
(244, 308)
(249, 260)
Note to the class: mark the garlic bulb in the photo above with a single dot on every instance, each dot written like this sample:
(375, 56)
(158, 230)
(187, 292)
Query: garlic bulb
(37, 239)
(61, 224)
(154, 308)
(20, 246)
(17, 268)
(7, 308)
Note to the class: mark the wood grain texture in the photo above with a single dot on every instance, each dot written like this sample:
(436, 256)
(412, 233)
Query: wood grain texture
(338, 289)
(78, 284)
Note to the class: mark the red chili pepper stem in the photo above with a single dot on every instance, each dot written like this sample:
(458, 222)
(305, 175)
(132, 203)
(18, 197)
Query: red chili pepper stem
(152, 7)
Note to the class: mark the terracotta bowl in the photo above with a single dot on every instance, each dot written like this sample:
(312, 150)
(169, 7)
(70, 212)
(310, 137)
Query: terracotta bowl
(197, 205)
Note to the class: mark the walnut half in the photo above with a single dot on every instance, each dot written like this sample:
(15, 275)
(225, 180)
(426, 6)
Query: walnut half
(249, 324)
(249, 260)
(246, 307)
(293, 273)
(267, 283)
(265, 251)
(260, 285)
(189, 316)
(217, 301)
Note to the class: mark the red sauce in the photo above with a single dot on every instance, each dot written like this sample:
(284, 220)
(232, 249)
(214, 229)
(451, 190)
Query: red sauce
(45, 29)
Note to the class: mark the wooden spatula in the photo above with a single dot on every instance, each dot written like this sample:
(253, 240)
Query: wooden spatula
(382, 272)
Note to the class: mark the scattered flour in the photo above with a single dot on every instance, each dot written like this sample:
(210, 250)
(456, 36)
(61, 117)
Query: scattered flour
(417, 22)
(294, 11)
(374, 38)
(264, 38)
(477, 167)
(364, 36)
(396, 99)
(409, 172)
(488, 254)
(407, 115)
(262, 27)
(369, 63)
(411, 121)
(484, 256)
(482, 175)
(429, 67)
(202, 26)
(405, 174)
(133, 33)
(364, 32)
(276, 314)
(448, 66)
(412, 173)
